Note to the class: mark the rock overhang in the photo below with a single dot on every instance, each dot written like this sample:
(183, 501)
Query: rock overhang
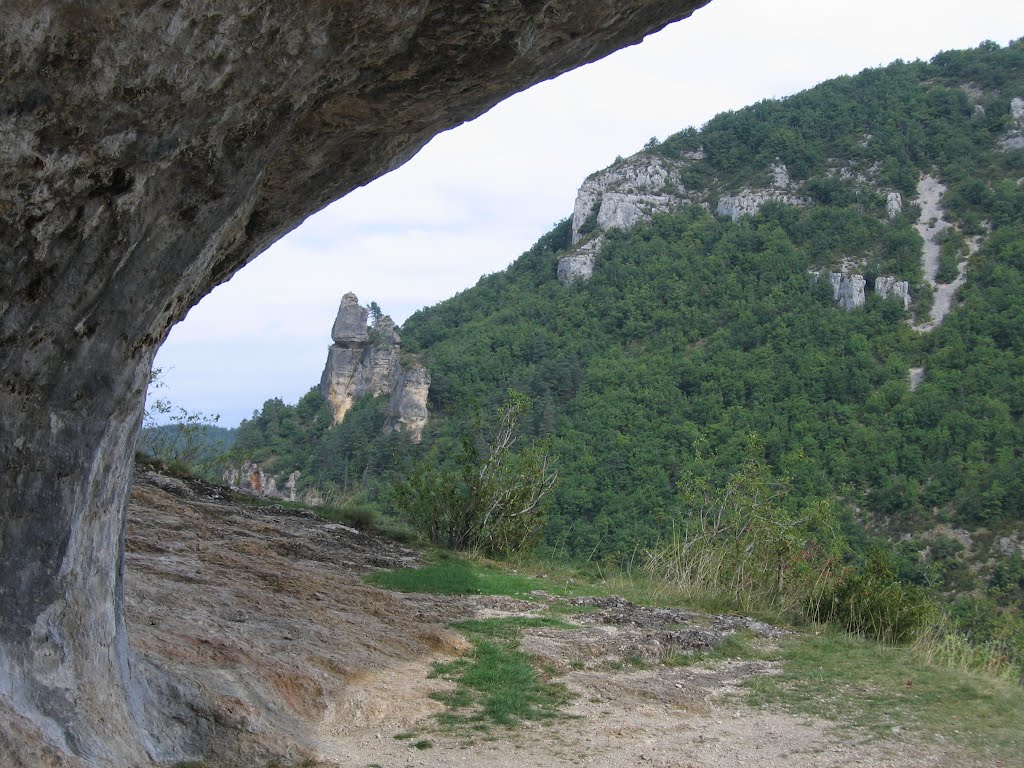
(149, 152)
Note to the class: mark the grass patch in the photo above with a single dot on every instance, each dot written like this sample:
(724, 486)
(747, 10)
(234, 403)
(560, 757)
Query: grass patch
(497, 684)
(876, 688)
(362, 518)
(452, 575)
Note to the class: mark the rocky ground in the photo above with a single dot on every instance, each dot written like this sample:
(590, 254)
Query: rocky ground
(930, 225)
(279, 652)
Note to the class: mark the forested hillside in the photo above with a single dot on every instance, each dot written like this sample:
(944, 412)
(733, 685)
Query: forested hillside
(701, 341)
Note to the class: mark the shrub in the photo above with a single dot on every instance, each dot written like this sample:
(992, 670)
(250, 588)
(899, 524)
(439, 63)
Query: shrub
(491, 498)
(741, 545)
(871, 601)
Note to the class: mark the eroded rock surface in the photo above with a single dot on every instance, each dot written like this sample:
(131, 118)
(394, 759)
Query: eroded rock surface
(407, 404)
(260, 618)
(267, 636)
(148, 152)
(847, 290)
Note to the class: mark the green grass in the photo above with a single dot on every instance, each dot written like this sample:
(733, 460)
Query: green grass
(455, 576)
(876, 688)
(497, 684)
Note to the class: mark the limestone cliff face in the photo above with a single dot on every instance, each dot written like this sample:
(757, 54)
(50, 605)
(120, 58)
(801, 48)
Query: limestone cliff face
(365, 360)
(356, 365)
(626, 193)
(893, 204)
(847, 290)
(887, 285)
(748, 201)
(251, 478)
(620, 197)
(579, 265)
(635, 189)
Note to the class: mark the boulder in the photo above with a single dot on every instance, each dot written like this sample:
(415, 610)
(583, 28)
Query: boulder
(350, 325)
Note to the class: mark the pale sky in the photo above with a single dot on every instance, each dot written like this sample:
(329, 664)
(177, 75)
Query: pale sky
(479, 195)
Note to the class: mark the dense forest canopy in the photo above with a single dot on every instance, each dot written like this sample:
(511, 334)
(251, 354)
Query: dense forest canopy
(697, 332)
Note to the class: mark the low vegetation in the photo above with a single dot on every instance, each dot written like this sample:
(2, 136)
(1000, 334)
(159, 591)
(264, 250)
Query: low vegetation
(741, 547)
(496, 683)
(451, 575)
(883, 690)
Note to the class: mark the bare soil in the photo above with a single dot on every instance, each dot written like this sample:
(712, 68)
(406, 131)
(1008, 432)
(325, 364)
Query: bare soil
(264, 622)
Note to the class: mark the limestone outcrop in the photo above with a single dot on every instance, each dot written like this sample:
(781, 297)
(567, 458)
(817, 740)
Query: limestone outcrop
(635, 189)
(367, 360)
(1014, 138)
(407, 403)
(350, 326)
(628, 192)
(893, 204)
(748, 201)
(251, 478)
(578, 266)
(887, 285)
(148, 152)
(619, 197)
(847, 290)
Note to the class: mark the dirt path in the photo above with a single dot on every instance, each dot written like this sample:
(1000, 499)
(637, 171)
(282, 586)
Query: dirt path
(682, 719)
(930, 225)
(622, 716)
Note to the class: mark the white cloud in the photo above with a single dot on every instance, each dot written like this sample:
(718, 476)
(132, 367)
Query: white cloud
(478, 196)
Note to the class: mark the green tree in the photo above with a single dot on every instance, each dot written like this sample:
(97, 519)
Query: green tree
(185, 439)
